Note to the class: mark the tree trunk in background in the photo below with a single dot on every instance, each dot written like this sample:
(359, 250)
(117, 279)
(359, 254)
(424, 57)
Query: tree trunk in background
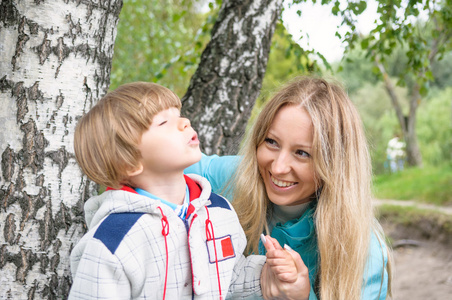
(408, 123)
(413, 153)
(228, 80)
(55, 61)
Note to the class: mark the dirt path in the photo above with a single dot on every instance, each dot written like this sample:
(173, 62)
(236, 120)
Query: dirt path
(423, 272)
(423, 268)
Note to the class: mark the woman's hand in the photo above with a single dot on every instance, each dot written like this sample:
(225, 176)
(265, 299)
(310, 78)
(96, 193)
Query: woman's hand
(284, 276)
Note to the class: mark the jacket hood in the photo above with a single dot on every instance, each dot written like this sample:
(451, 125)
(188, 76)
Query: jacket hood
(127, 200)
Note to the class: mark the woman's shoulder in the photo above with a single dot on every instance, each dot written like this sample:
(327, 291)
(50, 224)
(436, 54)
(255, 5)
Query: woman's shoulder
(217, 169)
(376, 272)
(378, 250)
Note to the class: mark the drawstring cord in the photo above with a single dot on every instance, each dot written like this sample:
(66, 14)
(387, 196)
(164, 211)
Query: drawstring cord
(165, 231)
(211, 236)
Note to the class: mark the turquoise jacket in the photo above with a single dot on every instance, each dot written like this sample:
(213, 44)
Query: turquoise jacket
(299, 233)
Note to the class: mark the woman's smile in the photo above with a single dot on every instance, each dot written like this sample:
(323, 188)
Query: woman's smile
(281, 183)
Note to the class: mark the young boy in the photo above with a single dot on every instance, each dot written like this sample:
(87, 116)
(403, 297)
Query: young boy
(155, 233)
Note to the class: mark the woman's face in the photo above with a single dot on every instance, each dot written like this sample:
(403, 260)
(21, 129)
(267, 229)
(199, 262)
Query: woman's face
(284, 158)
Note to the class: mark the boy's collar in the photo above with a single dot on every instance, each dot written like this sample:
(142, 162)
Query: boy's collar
(193, 187)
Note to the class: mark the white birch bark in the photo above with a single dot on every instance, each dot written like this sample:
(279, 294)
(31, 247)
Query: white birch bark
(228, 80)
(55, 61)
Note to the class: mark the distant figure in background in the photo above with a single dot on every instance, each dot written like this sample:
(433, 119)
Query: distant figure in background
(396, 154)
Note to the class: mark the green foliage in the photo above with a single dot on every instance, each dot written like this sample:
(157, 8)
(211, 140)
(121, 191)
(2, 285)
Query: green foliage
(434, 113)
(421, 42)
(442, 71)
(159, 41)
(379, 120)
(369, 95)
(356, 70)
(286, 61)
(435, 128)
(430, 184)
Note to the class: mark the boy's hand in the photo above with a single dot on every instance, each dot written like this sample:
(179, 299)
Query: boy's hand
(284, 276)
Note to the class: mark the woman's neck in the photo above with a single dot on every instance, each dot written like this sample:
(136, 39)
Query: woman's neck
(282, 214)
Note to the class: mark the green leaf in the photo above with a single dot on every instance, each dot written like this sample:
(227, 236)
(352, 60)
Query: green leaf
(364, 43)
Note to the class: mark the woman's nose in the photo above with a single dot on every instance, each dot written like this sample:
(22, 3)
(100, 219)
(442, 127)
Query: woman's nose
(281, 164)
(183, 123)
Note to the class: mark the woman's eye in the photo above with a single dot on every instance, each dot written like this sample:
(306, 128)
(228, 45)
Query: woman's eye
(271, 142)
(162, 123)
(302, 153)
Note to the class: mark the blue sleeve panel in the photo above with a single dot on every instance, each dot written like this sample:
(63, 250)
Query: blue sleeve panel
(113, 229)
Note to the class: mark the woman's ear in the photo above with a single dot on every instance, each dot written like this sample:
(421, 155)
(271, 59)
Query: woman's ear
(136, 171)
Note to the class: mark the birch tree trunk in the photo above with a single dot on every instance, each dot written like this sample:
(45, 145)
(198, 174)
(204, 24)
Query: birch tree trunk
(55, 61)
(228, 80)
(407, 123)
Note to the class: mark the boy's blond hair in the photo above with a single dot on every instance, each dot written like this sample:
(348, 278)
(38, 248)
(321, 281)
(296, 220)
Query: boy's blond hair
(106, 139)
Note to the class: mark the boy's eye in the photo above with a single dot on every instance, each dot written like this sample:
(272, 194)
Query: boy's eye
(162, 123)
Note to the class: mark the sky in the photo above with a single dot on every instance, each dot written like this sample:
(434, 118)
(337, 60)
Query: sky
(317, 27)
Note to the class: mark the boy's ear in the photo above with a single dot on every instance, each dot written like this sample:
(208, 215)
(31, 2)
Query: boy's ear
(137, 171)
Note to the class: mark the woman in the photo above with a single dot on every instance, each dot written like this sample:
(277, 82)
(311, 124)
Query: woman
(304, 177)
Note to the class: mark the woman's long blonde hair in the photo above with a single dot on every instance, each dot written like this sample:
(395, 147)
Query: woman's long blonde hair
(344, 216)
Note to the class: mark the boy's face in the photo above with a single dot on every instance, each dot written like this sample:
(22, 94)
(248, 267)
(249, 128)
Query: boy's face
(170, 144)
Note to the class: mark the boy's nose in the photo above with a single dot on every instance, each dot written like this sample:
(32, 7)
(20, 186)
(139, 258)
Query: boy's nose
(184, 123)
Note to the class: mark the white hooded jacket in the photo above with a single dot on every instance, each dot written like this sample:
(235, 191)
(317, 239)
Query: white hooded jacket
(138, 248)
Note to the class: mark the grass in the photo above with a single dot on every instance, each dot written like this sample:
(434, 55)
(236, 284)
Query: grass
(431, 185)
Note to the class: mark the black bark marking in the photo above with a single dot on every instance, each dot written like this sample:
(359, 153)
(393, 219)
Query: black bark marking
(5, 84)
(55, 261)
(50, 290)
(59, 157)
(59, 101)
(9, 231)
(44, 263)
(44, 49)
(8, 13)
(8, 163)
(32, 290)
(7, 196)
(74, 29)
(3, 256)
(24, 262)
(34, 93)
(63, 218)
(29, 206)
(21, 98)
(33, 145)
(61, 51)
(33, 27)
(47, 229)
(21, 41)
